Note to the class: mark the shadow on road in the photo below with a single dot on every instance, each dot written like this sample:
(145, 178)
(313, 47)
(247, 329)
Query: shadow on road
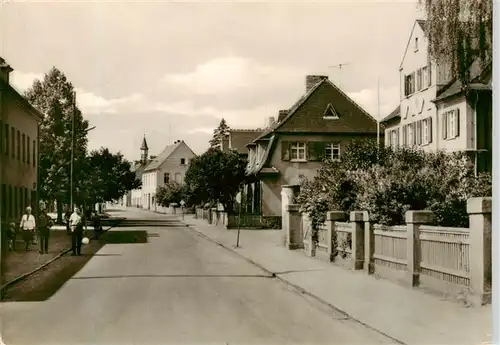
(43, 284)
(155, 223)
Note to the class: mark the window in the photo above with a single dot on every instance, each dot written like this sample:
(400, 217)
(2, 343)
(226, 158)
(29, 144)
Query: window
(394, 138)
(28, 151)
(330, 113)
(410, 84)
(178, 178)
(6, 139)
(416, 43)
(332, 151)
(298, 151)
(3, 211)
(11, 208)
(409, 135)
(34, 153)
(425, 132)
(24, 148)
(18, 145)
(419, 79)
(13, 142)
(451, 124)
(16, 204)
(425, 77)
(183, 161)
(166, 178)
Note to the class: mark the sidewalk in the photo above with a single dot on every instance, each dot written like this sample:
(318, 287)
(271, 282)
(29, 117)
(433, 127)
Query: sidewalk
(411, 316)
(21, 262)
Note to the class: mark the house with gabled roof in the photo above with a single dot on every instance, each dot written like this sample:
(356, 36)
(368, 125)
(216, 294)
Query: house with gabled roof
(436, 112)
(318, 126)
(237, 139)
(170, 165)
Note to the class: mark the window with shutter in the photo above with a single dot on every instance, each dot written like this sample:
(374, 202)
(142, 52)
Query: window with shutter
(34, 153)
(13, 142)
(312, 154)
(28, 150)
(18, 145)
(23, 148)
(445, 125)
(285, 151)
(457, 122)
(332, 151)
(6, 135)
(429, 75)
(429, 130)
(419, 132)
(298, 151)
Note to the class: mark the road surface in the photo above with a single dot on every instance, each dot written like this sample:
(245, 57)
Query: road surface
(176, 288)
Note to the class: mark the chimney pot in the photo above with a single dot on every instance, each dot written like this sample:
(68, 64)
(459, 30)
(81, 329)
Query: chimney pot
(312, 80)
(282, 114)
(271, 121)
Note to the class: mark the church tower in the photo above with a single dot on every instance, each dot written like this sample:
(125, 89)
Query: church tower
(144, 151)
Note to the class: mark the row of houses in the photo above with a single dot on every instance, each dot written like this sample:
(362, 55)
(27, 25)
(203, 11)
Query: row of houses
(435, 112)
(19, 125)
(156, 171)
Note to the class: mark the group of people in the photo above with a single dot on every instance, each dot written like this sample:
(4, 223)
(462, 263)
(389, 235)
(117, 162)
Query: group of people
(29, 226)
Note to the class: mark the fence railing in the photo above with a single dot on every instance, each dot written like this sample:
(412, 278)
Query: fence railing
(444, 258)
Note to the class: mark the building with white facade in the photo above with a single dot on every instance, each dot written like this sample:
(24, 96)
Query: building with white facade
(436, 112)
(171, 164)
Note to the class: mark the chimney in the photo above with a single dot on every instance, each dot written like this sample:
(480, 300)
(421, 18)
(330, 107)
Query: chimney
(5, 70)
(271, 121)
(312, 80)
(282, 114)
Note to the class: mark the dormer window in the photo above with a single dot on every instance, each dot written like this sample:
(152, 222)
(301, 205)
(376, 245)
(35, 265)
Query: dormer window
(330, 113)
(416, 43)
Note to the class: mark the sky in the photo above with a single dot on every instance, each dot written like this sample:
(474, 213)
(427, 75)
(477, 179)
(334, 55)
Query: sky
(172, 70)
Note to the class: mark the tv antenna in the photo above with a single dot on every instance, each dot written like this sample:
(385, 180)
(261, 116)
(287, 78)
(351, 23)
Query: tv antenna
(339, 66)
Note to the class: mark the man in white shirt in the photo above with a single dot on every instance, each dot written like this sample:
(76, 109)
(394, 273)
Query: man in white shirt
(76, 228)
(28, 225)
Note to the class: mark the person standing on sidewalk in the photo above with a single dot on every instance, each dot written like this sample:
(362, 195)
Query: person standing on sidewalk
(76, 228)
(44, 225)
(27, 225)
(67, 215)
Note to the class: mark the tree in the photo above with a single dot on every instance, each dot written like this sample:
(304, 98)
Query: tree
(54, 96)
(219, 133)
(215, 176)
(107, 177)
(458, 32)
(172, 192)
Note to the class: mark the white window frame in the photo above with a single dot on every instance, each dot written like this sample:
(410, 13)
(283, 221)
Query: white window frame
(409, 135)
(394, 138)
(450, 124)
(295, 152)
(425, 131)
(330, 148)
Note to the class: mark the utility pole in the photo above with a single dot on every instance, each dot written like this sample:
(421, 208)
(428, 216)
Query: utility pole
(72, 148)
(378, 117)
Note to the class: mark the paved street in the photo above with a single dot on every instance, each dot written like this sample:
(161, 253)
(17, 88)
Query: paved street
(175, 288)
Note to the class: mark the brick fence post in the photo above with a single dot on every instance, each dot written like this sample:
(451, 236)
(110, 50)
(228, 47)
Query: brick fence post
(331, 218)
(479, 210)
(292, 228)
(414, 219)
(358, 219)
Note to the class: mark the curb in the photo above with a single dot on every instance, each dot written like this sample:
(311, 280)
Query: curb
(296, 287)
(26, 275)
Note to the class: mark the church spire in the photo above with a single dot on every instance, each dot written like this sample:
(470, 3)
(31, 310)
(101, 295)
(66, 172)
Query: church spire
(144, 150)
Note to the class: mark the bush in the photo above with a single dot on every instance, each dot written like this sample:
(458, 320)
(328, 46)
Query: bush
(402, 180)
(172, 192)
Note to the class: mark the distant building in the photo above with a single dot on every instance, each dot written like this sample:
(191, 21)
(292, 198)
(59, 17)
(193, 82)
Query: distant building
(170, 165)
(436, 112)
(237, 139)
(19, 122)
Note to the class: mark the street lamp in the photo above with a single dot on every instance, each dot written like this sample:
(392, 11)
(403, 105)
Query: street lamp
(73, 146)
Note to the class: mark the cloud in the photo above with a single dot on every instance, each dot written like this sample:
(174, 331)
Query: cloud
(232, 74)
(368, 100)
(22, 80)
(91, 103)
